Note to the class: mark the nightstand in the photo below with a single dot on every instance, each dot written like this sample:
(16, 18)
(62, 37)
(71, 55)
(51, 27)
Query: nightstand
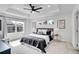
(56, 35)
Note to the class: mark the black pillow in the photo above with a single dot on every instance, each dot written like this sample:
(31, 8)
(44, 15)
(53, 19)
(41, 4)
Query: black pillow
(48, 33)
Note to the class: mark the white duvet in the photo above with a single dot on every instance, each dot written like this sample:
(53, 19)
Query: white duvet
(25, 49)
(45, 37)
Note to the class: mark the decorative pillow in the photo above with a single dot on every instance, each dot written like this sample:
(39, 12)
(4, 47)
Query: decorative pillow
(44, 32)
(40, 33)
(35, 32)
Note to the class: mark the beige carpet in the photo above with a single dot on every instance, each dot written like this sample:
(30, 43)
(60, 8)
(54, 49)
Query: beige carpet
(54, 47)
(59, 47)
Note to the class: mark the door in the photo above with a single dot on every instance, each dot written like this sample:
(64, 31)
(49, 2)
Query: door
(77, 29)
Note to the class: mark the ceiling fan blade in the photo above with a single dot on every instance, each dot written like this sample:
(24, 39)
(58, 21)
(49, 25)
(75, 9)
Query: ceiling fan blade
(30, 5)
(38, 8)
(37, 11)
(26, 9)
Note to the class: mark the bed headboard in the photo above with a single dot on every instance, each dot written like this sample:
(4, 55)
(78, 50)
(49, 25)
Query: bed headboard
(51, 29)
(49, 32)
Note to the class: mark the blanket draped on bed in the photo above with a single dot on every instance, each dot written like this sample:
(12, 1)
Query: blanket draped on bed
(36, 42)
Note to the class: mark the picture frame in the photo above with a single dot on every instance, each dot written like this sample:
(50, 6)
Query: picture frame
(61, 24)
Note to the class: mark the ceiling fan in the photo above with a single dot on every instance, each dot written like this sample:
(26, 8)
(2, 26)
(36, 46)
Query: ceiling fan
(33, 8)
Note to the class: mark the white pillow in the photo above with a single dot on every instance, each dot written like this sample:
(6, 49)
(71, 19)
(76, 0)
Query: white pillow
(44, 31)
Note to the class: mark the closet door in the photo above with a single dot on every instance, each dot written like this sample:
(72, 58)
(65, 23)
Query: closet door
(76, 27)
(77, 30)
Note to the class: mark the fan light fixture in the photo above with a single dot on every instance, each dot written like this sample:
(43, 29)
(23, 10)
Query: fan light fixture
(48, 6)
(33, 9)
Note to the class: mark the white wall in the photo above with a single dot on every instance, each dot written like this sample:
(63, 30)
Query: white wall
(45, 25)
(64, 34)
(45, 19)
(28, 26)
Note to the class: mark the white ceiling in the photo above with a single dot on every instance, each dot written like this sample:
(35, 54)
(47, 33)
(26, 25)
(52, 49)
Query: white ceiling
(48, 9)
(66, 8)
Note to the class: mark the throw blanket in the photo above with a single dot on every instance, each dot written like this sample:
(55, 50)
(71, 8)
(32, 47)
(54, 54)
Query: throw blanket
(34, 41)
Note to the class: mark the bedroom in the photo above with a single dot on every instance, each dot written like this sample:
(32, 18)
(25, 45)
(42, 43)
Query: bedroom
(39, 28)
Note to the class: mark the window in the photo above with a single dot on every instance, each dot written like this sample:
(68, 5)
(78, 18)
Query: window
(14, 26)
(11, 28)
(19, 27)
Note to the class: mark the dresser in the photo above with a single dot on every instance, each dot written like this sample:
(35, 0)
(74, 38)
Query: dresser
(4, 49)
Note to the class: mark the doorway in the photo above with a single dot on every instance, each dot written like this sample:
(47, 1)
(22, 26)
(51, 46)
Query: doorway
(76, 27)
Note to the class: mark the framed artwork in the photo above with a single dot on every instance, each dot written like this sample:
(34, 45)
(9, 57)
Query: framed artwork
(45, 22)
(61, 24)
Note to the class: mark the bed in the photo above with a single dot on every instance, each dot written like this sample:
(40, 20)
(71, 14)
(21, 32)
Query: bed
(38, 40)
(46, 31)
(45, 37)
(35, 41)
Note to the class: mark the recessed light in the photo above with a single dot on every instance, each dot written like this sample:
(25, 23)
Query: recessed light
(48, 6)
(33, 12)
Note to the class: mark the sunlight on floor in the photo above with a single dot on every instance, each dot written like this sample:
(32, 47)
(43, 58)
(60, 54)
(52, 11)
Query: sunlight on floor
(15, 43)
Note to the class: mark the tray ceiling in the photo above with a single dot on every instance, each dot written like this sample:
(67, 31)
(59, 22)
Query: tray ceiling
(48, 9)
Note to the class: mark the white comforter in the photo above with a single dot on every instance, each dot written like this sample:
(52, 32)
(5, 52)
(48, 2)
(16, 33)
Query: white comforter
(45, 37)
(25, 49)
